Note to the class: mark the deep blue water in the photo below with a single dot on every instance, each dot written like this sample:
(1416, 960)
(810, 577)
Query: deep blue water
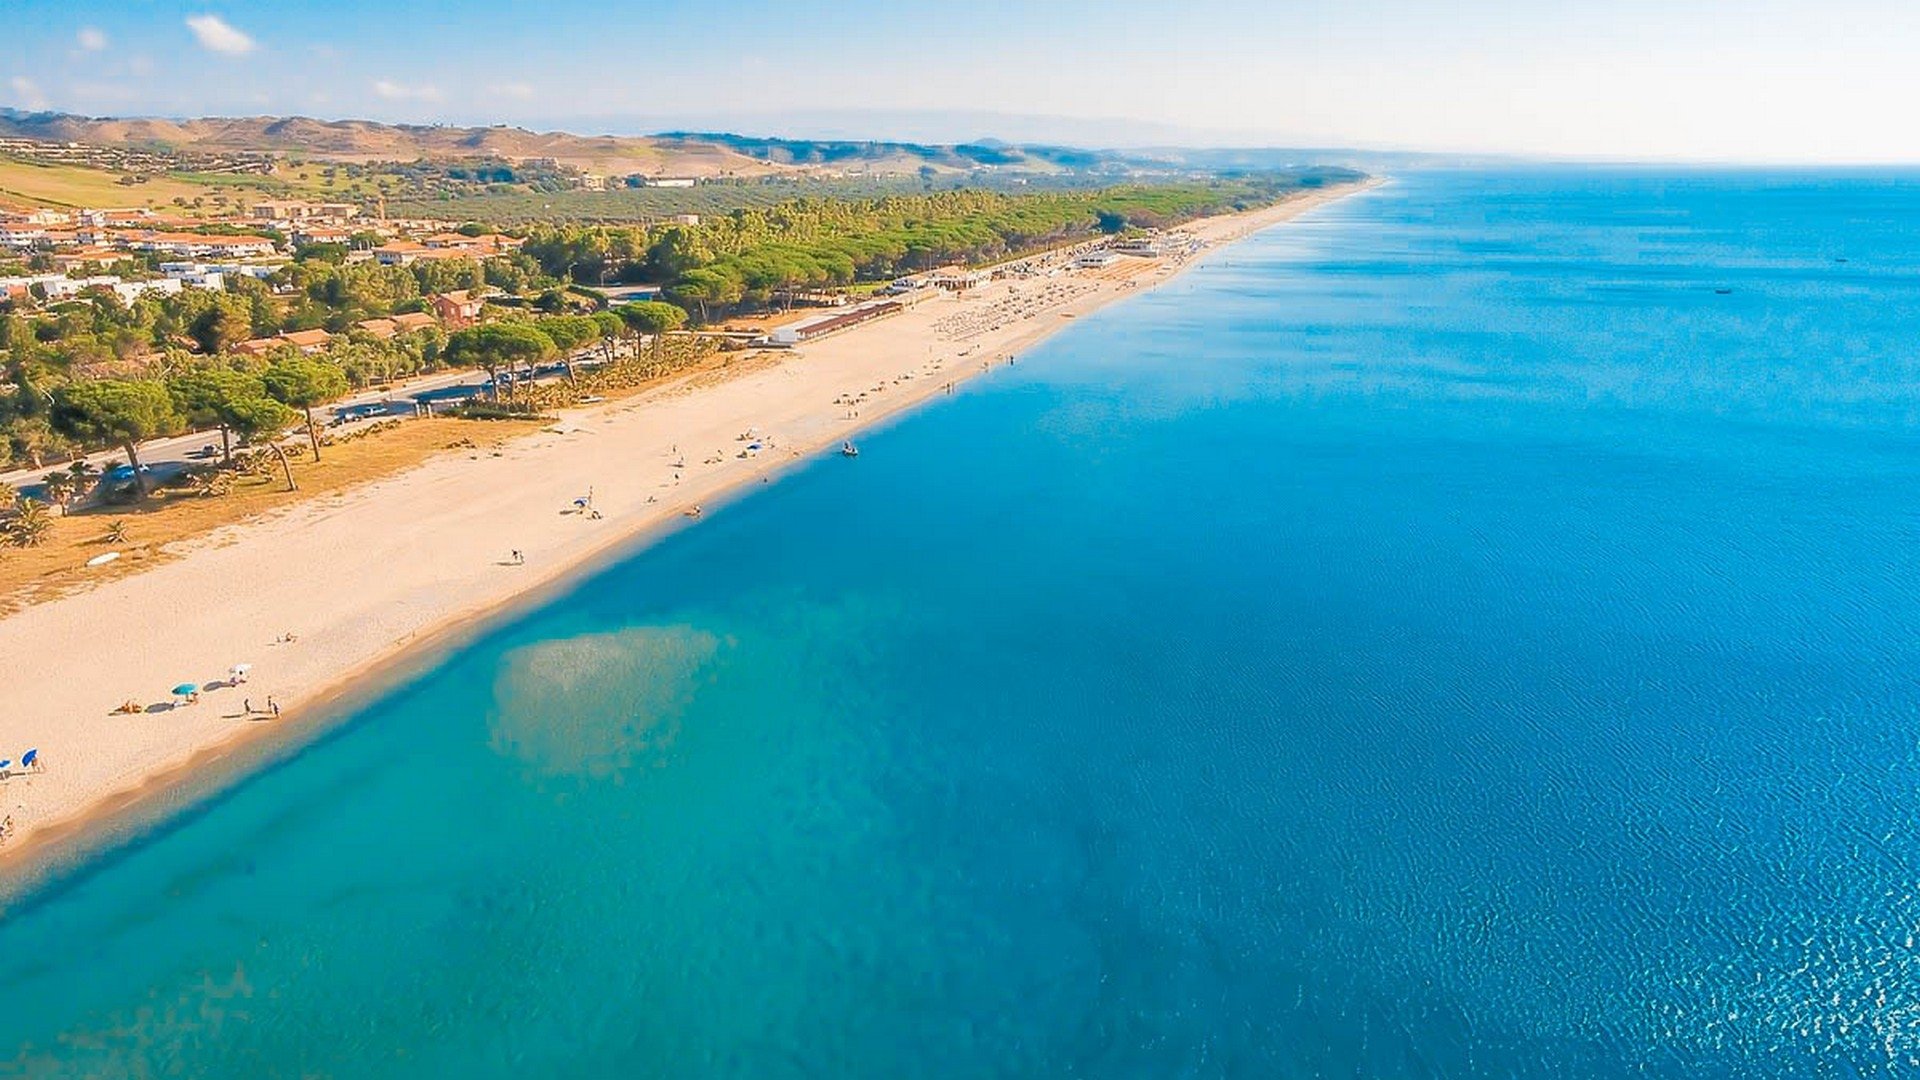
(1442, 637)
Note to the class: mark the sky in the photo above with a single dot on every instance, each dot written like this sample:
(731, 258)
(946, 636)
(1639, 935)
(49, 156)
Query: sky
(1652, 80)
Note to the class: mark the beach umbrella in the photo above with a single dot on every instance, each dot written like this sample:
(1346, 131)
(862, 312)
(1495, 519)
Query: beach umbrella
(239, 669)
(27, 759)
(186, 688)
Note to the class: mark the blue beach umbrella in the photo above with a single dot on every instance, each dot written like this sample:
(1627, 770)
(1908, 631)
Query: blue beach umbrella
(27, 759)
(186, 688)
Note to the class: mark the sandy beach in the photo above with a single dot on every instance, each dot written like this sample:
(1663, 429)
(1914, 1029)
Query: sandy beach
(382, 574)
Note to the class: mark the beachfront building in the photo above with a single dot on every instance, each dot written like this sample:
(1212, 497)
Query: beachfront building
(957, 280)
(1144, 246)
(1095, 260)
(800, 333)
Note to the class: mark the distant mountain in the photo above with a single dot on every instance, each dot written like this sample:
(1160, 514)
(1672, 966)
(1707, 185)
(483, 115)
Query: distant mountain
(673, 153)
(366, 140)
(899, 157)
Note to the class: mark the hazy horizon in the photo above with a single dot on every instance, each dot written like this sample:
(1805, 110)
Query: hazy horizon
(1690, 81)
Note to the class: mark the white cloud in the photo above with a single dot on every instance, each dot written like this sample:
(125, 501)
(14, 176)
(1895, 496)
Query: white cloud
(394, 91)
(90, 39)
(215, 34)
(27, 92)
(517, 90)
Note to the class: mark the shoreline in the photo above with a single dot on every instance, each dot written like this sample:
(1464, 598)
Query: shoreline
(382, 581)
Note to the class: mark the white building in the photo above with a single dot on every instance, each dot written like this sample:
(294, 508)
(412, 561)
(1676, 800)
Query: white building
(193, 272)
(62, 288)
(199, 246)
(22, 234)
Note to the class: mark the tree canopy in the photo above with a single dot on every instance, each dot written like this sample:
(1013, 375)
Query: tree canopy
(122, 412)
(303, 382)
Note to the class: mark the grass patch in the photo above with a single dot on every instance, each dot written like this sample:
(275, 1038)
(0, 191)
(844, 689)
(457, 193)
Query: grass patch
(71, 186)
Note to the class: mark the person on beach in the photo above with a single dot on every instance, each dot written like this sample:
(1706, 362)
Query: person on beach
(273, 707)
(517, 557)
(246, 705)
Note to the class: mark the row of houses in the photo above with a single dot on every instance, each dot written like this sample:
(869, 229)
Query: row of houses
(112, 239)
(453, 311)
(141, 228)
(109, 234)
(61, 287)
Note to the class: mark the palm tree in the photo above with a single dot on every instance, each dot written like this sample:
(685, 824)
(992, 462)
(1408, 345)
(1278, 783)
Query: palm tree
(85, 476)
(59, 489)
(116, 531)
(8, 496)
(30, 524)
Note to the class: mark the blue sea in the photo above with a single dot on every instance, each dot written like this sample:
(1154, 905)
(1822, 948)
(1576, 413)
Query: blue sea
(1471, 631)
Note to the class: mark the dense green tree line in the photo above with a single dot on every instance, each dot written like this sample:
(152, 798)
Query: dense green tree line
(746, 257)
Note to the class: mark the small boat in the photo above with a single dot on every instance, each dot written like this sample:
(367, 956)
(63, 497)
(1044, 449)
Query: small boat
(847, 449)
(104, 559)
(1723, 292)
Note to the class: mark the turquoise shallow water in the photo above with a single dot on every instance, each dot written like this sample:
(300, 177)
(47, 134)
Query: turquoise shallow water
(1442, 637)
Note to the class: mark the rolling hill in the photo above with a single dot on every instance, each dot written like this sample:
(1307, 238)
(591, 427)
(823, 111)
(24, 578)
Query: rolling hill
(680, 153)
